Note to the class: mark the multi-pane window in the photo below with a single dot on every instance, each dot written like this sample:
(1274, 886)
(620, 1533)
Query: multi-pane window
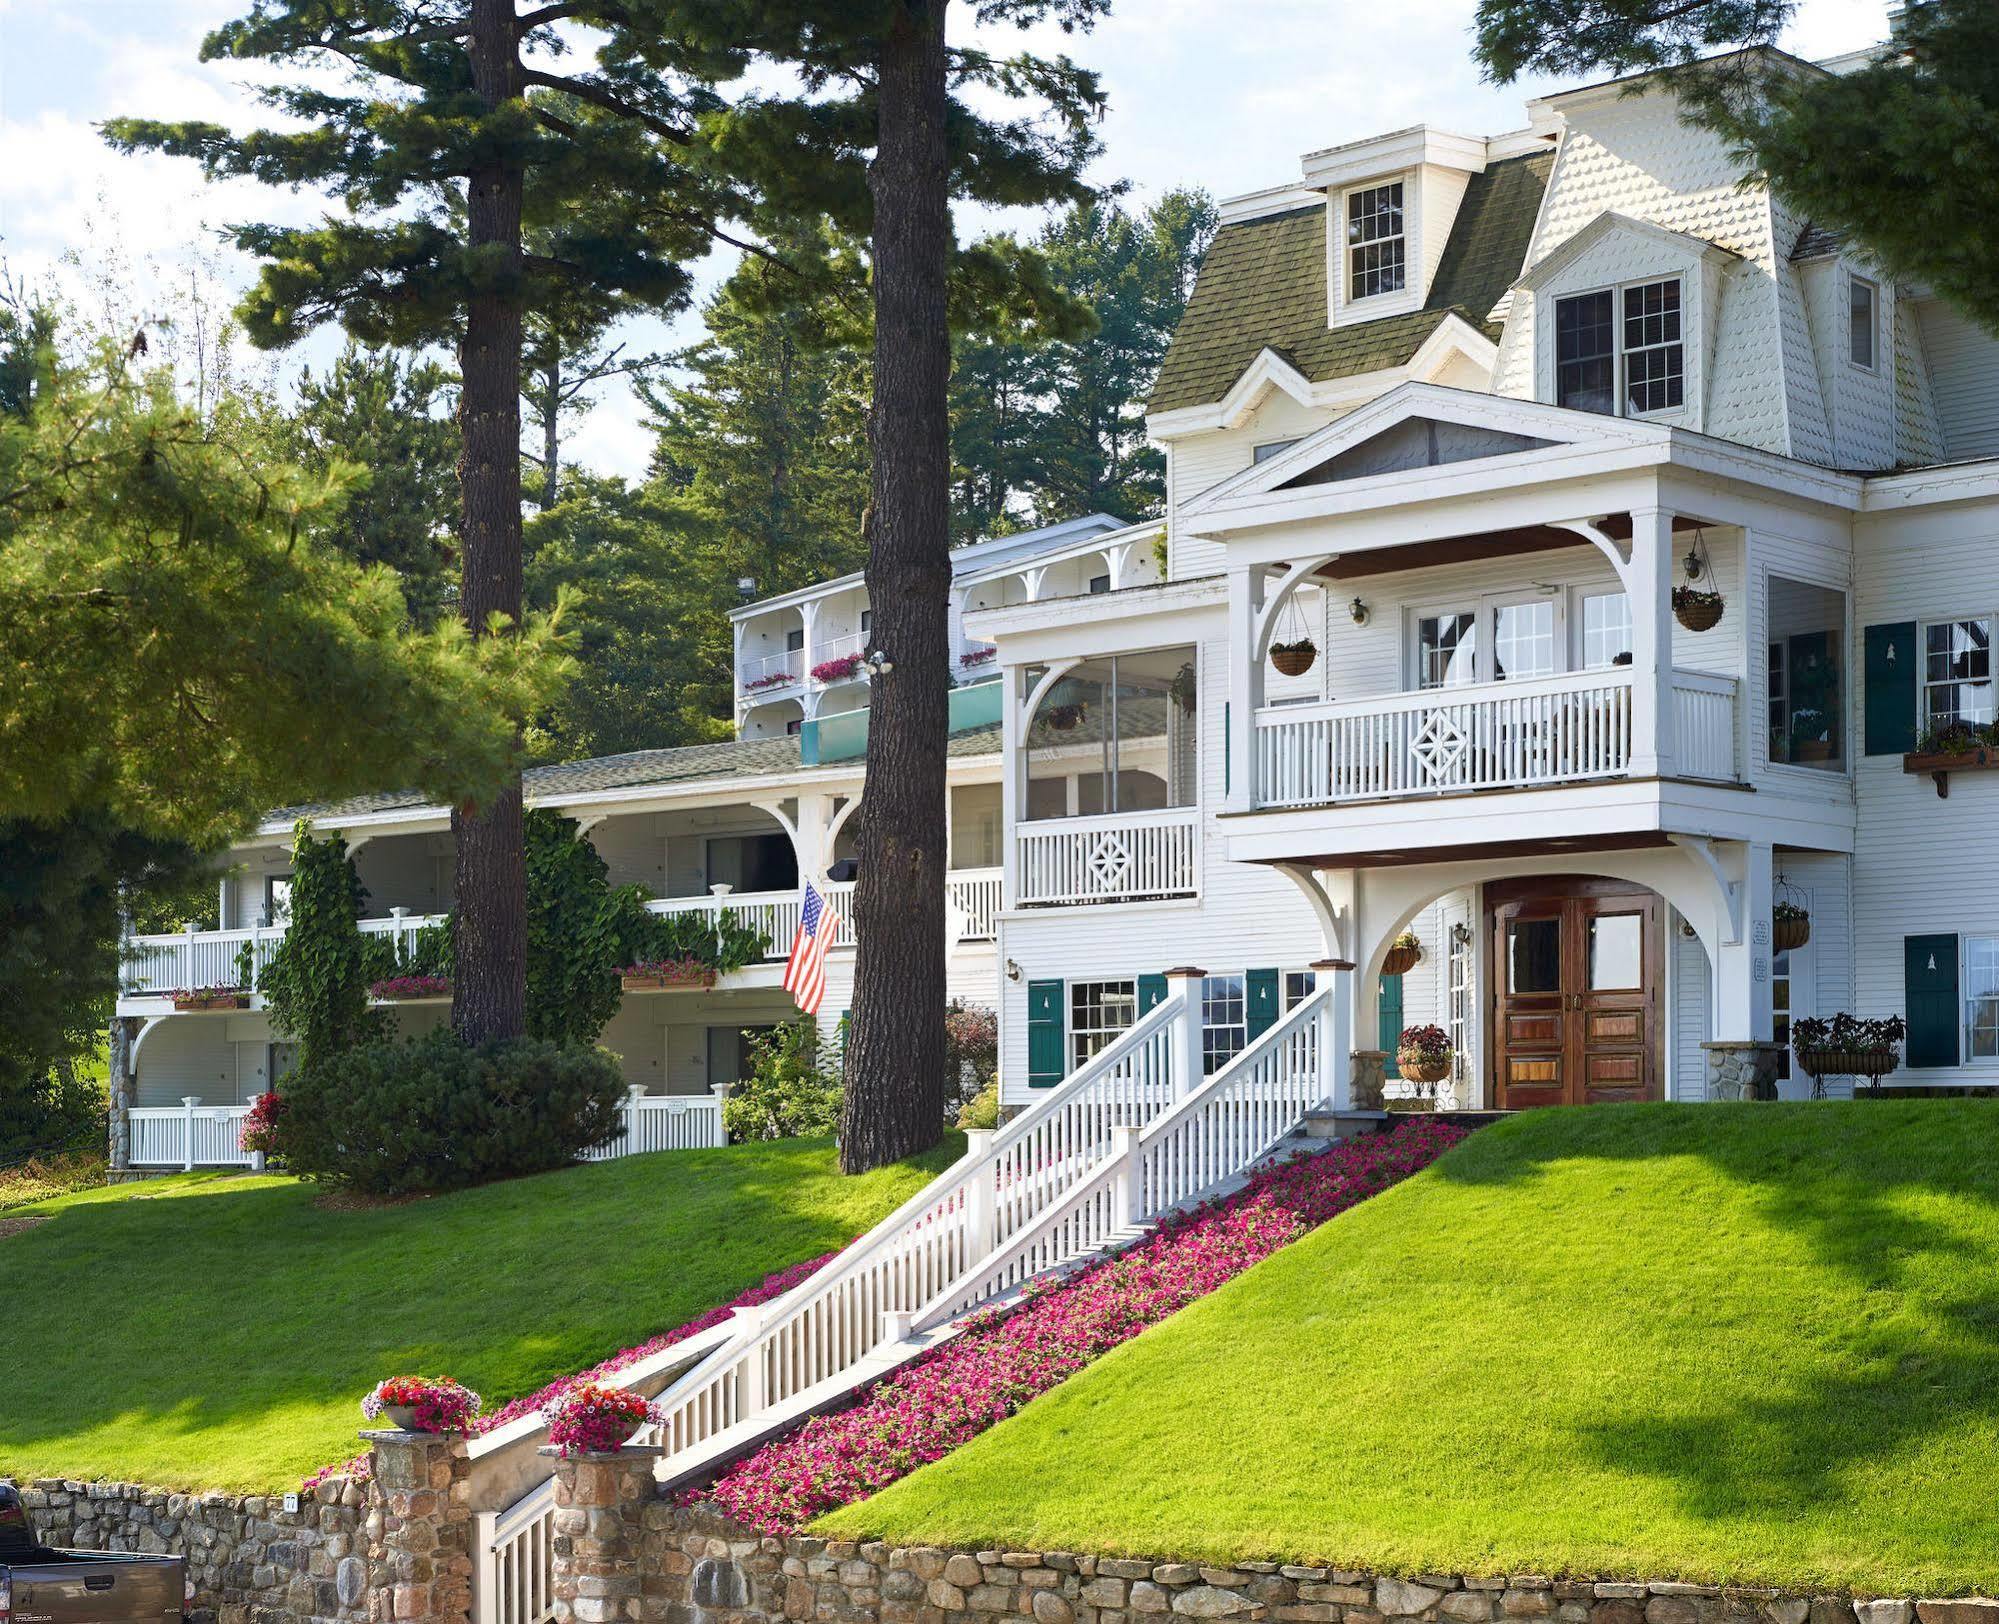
(1098, 1012)
(1807, 675)
(1654, 357)
(1523, 639)
(1606, 629)
(1099, 584)
(1298, 986)
(1458, 982)
(1957, 671)
(1375, 247)
(1585, 353)
(1860, 323)
(1446, 650)
(1981, 997)
(1780, 1010)
(1224, 1021)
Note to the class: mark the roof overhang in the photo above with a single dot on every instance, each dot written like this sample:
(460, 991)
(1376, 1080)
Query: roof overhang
(1387, 154)
(1612, 224)
(1019, 627)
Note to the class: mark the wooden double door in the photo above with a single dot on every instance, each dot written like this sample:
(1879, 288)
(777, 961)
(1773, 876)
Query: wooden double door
(1575, 973)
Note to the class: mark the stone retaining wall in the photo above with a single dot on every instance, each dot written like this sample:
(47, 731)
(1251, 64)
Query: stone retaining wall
(252, 1562)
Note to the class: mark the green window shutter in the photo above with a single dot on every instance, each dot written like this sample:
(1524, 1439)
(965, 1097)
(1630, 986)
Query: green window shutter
(1391, 1021)
(1890, 662)
(1260, 1001)
(1044, 1034)
(1151, 992)
(1929, 995)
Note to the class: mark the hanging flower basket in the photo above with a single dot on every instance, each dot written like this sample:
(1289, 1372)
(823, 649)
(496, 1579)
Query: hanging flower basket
(1790, 927)
(1696, 610)
(1402, 955)
(200, 998)
(1064, 718)
(1181, 688)
(664, 975)
(1424, 1054)
(1294, 659)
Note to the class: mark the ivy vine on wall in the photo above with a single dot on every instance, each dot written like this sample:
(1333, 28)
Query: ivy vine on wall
(316, 984)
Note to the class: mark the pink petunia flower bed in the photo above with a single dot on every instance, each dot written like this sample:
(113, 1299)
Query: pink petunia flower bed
(772, 1285)
(950, 1395)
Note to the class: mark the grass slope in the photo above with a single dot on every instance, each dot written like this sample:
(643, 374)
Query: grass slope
(1751, 1343)
(218, 1332)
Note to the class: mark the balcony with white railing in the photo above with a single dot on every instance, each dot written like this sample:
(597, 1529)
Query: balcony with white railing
(183, 961)
(767, 676)
(1540, 732)
(1118, 857)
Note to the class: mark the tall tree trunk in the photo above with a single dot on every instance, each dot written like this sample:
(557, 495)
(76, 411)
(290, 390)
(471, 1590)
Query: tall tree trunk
(489, 982)
(895, 1059)
(551, 437)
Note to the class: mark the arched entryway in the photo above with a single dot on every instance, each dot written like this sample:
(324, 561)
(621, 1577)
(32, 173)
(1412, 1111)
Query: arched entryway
(1575, 967)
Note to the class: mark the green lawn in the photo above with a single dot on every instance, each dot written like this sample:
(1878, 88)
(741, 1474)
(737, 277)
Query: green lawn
(218, 1332)
(1755, 1343)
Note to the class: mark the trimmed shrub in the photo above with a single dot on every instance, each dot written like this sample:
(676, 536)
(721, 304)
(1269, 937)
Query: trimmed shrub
(982, 1109)
(395, 1118)
(793, 1089)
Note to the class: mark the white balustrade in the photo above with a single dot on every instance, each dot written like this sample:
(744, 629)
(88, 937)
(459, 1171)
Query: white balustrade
(770, 673)
(1502, 735)
(774, 913)
(189, 1135)
(1119, 857)
(974, 894)
(513, 1579)
(666, 1122)
(1704, 725)
(838, 648)
(186, 960)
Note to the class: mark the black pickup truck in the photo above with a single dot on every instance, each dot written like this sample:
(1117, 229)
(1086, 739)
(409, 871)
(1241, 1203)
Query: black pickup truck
(39, 1585)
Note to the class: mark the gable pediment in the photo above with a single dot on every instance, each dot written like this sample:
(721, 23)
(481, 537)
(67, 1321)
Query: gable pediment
(1611, 227)
(1417, 442)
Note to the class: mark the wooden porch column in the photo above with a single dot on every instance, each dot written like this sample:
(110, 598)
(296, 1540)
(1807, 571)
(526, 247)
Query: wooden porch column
(1245, 695)
(1651, 583)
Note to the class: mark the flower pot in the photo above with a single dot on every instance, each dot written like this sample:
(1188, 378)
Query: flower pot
(1872, 1064)
(400, 1415)
(185, 1001)
(1415, 1067)
(1697, 611)
(1400, 959)
(1786, 934)
(1294, 662)
(660, 983)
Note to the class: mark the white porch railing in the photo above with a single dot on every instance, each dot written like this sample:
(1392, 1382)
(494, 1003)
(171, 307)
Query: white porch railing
(1502, 735)
(974, 893)
(208, 958)
(838, 648)
(189, 1135)
(1115, 858)
(769, 674)
(666, 1122)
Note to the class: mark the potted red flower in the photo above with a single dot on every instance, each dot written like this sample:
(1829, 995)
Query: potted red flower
(659, 975)
(422, 1404)
(1424, 1054)
(592, 1418)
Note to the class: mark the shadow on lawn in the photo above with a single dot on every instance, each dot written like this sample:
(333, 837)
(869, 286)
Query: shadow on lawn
(1901, 1199)
(192, 1314)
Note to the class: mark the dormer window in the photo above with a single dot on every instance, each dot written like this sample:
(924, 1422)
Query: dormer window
(1376, 252)
(1860, 322)
(1649, 351)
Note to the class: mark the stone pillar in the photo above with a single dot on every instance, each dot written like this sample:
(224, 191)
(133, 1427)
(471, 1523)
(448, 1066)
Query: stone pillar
(600, 1504)
(419, 1529)
(124, 1084)
(1368, 1090)
(1742, 1070)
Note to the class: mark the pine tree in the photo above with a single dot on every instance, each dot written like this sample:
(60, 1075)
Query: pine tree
(386, 417)
(882, 138)
(461, 131)
(1896, 155)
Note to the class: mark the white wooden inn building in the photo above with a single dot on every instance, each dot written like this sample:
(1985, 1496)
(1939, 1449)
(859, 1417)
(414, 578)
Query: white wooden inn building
(1462, 413)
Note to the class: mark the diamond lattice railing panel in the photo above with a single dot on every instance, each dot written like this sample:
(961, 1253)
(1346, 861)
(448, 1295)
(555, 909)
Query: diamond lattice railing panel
(1110, 862)
(1439, 745)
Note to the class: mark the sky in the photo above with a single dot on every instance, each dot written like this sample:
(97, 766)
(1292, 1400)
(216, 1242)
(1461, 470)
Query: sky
(1223, 94)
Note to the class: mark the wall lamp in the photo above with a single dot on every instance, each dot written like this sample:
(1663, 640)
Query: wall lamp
(878, 664)
(1012, 970)
(1360, 612)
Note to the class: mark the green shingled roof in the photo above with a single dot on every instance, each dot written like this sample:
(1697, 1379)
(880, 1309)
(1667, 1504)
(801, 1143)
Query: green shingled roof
(1263, 286)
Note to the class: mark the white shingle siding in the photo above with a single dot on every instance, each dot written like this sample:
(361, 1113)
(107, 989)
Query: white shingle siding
(1964, 369)
(1197, 461)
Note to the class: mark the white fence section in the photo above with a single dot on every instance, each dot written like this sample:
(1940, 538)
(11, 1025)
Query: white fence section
(1499, 735)
(187, 960)
(974, 895)
(1704, 729)
(189, 1135)
(667, 1122)
(770, 673)
(775, 913)
(513, 1577)
(1115, 858)
(838, 648)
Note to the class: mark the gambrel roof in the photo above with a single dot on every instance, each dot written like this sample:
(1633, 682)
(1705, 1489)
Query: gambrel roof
(1263, 286)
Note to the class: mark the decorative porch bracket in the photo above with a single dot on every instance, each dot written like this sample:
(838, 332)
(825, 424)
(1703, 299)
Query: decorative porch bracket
(1731, 891)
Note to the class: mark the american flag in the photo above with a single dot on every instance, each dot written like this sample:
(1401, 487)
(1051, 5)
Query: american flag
(805, 971)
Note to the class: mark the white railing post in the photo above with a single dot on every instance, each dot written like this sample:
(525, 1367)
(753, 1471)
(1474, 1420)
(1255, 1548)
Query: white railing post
(187, 980)
(980, 1193)
(1130, 1173)
(1334, 977)
(188, 1102)
(1184, 983)
(721, 1131)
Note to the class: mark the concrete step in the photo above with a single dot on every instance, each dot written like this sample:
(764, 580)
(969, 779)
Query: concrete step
(1331, 1124)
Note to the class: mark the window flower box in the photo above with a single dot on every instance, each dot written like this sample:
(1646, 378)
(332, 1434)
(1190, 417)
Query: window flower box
(837, 670)
(205, 998)
(407, 989)
(777, 679)
(977, 657)
(1952, 747)
(1847, 1046)
(666, 975)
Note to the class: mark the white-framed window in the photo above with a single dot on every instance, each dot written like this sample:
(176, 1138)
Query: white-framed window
(1377, 252)
(1446, 648)
(1098, 1012)
(1605, 621)
(1269, 449)
(1523, 639)
(1459, 997)
(1621, 349)
(1863, 302)
(1780, 1010)
(1496, 638)
(1957, 670)
(794, 640)
(1224, 1021)
(1981, 998)
(1099, 584)
(867, 621)
(1298, 986)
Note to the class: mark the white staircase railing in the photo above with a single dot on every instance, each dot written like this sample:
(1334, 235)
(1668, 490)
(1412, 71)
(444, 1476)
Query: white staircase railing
(833, 1321)
(1227, 1124)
